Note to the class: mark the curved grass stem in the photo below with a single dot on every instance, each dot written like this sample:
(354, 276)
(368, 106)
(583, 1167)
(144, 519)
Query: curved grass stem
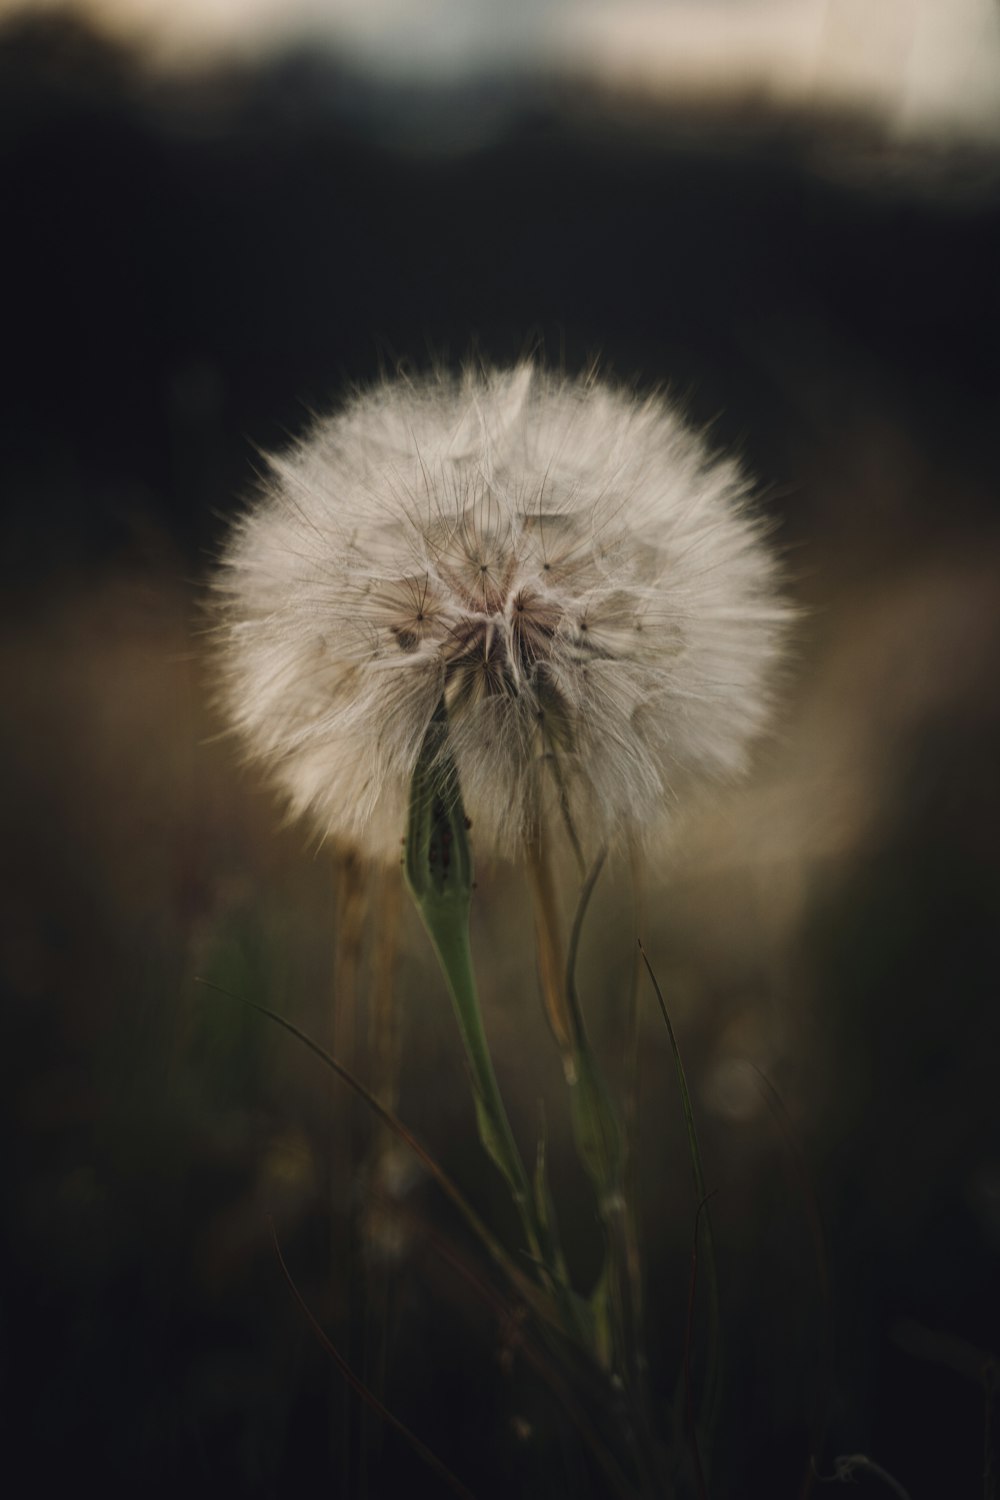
(702, 1196)
(599, 1139)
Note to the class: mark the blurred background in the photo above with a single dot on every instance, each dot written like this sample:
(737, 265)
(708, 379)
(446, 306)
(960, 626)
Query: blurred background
(216, 216)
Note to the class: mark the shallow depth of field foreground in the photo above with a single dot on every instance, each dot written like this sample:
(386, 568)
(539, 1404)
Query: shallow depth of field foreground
(225, 1270)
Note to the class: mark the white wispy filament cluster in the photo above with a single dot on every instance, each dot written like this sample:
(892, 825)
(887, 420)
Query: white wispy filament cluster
(564, 563)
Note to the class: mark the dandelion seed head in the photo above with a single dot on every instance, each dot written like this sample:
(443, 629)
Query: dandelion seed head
(563, 562)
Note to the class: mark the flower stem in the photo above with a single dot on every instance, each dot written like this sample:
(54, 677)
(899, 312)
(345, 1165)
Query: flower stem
(551, 948)
(599, 1140)
(439, 875)
(451, 943)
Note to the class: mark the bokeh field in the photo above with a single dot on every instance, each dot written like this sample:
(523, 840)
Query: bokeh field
(194, 262)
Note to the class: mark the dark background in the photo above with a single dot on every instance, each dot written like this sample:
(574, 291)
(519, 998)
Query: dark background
(191, 265)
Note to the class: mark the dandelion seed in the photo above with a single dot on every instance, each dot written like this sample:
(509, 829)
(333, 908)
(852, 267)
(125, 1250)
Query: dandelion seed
(563, 563)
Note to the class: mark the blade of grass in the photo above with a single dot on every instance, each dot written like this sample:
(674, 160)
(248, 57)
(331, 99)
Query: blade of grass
(601, 1148)
(545, 1204)
(549, 945)
(702, 1196)
(689, 1406)
(523, 1285)
(371, 1400)
(537, 1357)
(576, 932)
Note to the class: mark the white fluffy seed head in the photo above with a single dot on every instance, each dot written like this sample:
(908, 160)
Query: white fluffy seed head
(564, 562)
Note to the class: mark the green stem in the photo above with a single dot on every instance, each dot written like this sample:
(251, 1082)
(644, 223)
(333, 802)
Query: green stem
(596, 1130)
(439, 875)
(448, 931)
(602, 1147)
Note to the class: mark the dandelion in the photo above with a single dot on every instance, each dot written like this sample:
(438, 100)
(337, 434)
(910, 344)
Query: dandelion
(562, 564)
(515, 594)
